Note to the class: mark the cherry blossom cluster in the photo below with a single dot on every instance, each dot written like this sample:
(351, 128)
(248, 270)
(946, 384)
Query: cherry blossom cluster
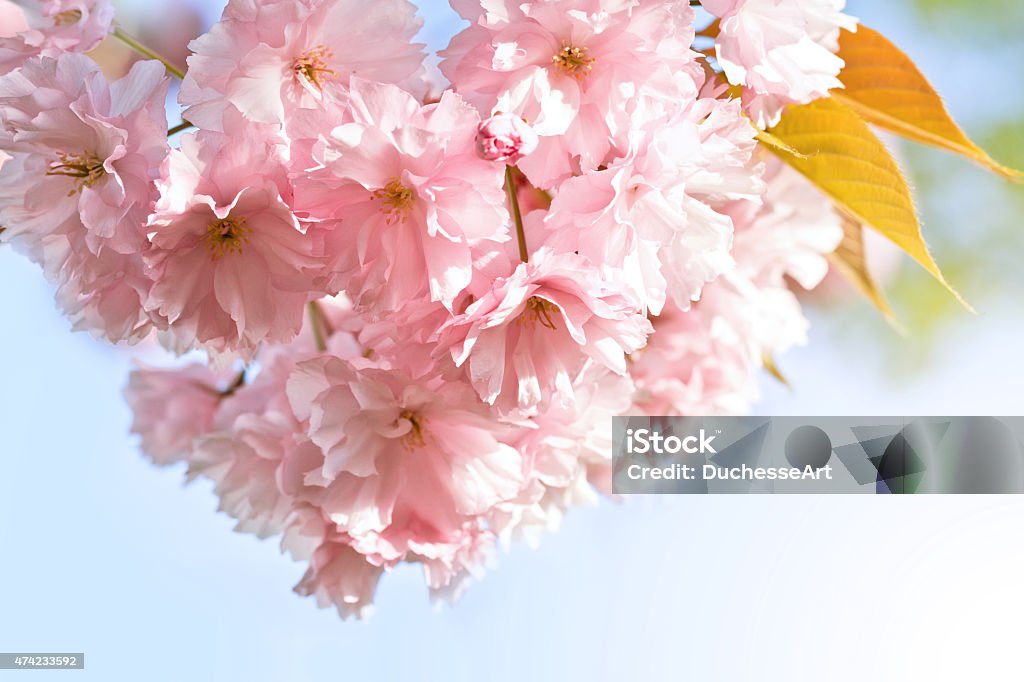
(420, 297)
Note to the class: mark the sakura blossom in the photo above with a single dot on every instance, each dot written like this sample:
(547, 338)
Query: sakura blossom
(707, 360)
(50, 28)
(409, 467)
(526, 341)
(658, 212)
(398, 324)
(506, 137)
(172, 407)
(230, 262)
(76, 193)
(781, 52)
(270, 59)
(401, 174)
(583, 73)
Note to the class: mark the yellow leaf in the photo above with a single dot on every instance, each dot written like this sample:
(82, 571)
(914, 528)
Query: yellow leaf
(775, 143)
(887, 89)
(769, 365)
(850, 260)
(852, 166)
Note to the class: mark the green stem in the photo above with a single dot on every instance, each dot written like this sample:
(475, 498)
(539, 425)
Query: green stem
(517, 214)
(184, 125)
(316, 319)
(145, 51)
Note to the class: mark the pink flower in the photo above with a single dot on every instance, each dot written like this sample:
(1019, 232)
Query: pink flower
(506, 138)
(271, 58)
(256, 452)
(76, 192)
(405, 195)
(231, 264)
(568, 451)
(409, 466)
(244, 462)
(696, 362)
(360, 416)
(582, 73)
(789, 235)
(102, 293)
(340, 576)
(90, 152)
(657, 213)
(529, 337)
(49, 28)
(781, 51)
(707, 360)
(173, 407)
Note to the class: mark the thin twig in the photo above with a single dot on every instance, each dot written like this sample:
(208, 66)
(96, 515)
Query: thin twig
(517, 215)
(184, 125)
(316, 318)
(145, 51)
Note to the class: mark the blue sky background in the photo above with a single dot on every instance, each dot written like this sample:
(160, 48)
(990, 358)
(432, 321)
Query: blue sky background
(102, 553)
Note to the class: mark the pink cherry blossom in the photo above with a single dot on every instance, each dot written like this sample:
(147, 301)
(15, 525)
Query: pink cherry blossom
(172, 407)
(657, 213)
(782, 51)
(707, 360)
(231, 264)
(568, 450)
(529, 337)
(580, 72)
(251, 447)
(89, 151)
(406, 361)
(340, 576)
(360, 416)
(243, 462)
(506, 138)
(696, 362)
(103, 293)
(49, 28)
(271, 58)
(405, 195)
(76, 193)
(408, 465)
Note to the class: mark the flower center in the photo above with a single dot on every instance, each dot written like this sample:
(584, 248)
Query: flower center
(396, 199)
(312, 67)
(574, 61)
(227, 236)
(86, 169)
(540, 311)
(67, 18)
(414, 438)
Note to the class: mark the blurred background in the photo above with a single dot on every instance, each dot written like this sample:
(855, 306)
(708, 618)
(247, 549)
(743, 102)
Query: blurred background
(101, 553)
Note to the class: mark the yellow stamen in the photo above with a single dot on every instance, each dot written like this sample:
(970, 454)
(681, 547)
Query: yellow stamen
(574, 61)
(86, 169)
(313, 67)
(227, 236)
(67, 18)
(396, 199)
(415, 437)
(541, 311)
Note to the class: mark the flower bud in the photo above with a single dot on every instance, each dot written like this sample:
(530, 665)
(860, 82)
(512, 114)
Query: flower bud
(506, 137)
